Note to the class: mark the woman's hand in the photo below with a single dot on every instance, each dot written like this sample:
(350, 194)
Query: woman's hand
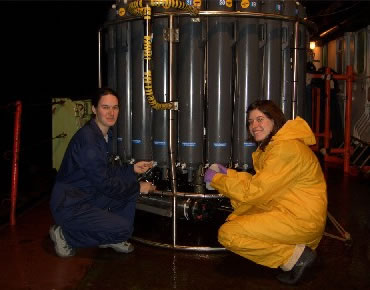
(146, 187)
(219, 168)
(142, 166)
(208, 175)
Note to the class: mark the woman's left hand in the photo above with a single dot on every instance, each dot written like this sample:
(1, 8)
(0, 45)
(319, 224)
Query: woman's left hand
(142, 166)
(208, 175)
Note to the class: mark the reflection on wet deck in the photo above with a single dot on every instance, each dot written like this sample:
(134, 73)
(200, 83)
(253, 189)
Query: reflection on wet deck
(28, 260)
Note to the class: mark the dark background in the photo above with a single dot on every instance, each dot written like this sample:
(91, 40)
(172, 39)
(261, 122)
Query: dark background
(47, 49)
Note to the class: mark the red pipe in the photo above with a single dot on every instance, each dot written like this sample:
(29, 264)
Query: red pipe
(347, 127)
(337, 150)
(313, 101)
(316, 117)
(340, 77)
(318, 106)
(317, 76)
(15, 163)
(327, 109)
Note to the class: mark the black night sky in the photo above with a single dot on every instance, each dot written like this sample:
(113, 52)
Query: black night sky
(47, 49)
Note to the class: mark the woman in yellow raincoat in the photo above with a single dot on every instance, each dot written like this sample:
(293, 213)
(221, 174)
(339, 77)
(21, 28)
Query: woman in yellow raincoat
(280, 212)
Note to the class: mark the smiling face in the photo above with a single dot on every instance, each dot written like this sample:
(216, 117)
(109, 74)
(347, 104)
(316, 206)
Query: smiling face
(260, 126)
(106, 112)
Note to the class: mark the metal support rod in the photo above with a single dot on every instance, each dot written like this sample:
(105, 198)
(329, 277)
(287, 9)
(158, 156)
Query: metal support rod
(147, 33)
(347, 130)
(15, 162)
(327, 108)
(295, 71)
(172, 128)
(317, 117)
(99, 60)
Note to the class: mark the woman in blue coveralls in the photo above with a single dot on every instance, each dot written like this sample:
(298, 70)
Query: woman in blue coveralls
(93, 201)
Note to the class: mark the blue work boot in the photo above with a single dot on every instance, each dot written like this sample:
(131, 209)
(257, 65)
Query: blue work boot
(123, 247)
(61, 246)
(304, 262)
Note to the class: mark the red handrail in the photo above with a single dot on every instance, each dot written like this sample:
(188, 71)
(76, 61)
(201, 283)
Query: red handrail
(15, 162)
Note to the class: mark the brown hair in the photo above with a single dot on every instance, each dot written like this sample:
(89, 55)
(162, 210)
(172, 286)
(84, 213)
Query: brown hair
(100, 93)
(273, 112)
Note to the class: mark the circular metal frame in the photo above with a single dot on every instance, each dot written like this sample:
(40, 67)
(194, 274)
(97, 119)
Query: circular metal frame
(310, 24)
(178, 247)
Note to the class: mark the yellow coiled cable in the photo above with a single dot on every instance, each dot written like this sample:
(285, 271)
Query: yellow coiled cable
(137, 8)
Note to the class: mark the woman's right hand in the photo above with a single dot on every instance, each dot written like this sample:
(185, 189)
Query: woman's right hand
(146, 187)
(142, 166)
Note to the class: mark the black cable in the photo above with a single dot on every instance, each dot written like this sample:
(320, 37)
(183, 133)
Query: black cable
(336, 12)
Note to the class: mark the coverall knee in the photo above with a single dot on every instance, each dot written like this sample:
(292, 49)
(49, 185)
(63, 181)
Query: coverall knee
(91, 225)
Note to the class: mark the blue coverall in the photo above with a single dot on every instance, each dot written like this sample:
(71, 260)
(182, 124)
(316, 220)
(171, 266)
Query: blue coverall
(93, 201)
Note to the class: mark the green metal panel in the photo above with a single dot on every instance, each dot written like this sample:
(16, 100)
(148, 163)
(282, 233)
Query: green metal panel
(67, 117)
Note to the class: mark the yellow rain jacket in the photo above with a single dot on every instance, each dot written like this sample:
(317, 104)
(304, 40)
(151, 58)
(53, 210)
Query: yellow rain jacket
(284, 204)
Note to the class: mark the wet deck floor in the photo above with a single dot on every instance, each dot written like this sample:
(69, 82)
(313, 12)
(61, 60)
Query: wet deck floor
(27, 259)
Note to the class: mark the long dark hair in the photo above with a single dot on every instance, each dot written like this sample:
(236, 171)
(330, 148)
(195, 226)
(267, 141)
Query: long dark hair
(273, 112)
(100, 93)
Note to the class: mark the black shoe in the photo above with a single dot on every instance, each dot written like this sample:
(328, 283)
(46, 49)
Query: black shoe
(305, 261)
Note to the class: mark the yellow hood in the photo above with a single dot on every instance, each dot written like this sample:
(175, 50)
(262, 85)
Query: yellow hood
(296, 129)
